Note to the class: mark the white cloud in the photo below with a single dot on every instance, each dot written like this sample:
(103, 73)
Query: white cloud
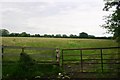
(52, 1)
(74, 22)
(54, 16)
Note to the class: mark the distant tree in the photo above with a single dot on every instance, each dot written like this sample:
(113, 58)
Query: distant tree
(45, 35)
(24, 34)
(52, 36)
(49, 35)
(91, 36)
(14, 34)
(37, 35)
(73, 36)
(32, 35)
(83, 35)
(58, 36)
(4, 32)
(64, 36)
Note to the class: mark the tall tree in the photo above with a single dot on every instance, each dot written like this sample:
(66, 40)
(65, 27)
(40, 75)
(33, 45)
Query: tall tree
(4, 32)
(83, 35)
(24, 34)
(58, 36)
(64, 36)
(113, 20)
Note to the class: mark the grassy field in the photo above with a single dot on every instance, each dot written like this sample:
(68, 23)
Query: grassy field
(55, 43)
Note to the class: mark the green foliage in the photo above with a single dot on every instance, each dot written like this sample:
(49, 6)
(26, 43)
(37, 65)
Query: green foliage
(73, 36)
(26, 61)
(64, 36)
(91, 36)
(58, 36)
(27, 68)
(4, 32)
(113, 20)
(83, 35)
(37, 35)
(14, 34)
(24, 34)
(24, 68)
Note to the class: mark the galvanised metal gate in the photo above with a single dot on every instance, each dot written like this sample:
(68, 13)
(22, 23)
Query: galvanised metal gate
(91, 60)
(40, 55)
(20, 62)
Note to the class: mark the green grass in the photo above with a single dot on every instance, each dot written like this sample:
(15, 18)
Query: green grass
(56, 43)
(52, 43)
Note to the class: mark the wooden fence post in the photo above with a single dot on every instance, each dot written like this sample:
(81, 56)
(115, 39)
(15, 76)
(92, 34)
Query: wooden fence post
(58, 56)
(22, 49)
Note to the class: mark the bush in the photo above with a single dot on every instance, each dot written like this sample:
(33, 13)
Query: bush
(27, 68)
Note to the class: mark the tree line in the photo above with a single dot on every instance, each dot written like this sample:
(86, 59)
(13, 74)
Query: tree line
(6, 33)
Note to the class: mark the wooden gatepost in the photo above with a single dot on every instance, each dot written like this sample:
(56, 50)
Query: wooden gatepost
(58, 56)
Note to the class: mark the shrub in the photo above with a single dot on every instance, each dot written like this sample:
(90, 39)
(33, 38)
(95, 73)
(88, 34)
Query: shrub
(25, 67)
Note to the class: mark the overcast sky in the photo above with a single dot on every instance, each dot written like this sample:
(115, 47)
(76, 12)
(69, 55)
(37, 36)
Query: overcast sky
(53, 16)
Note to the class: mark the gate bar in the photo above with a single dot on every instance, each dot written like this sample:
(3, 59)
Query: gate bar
(101, 60)
(62, 57)
(81, 61)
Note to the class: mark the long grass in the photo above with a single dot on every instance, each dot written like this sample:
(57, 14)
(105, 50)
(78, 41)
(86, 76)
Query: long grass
(57, 42)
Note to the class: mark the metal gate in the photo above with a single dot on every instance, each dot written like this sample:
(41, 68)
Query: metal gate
(76, 62)
(40, 55)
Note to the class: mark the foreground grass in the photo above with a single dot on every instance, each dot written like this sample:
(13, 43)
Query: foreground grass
(27, 68)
